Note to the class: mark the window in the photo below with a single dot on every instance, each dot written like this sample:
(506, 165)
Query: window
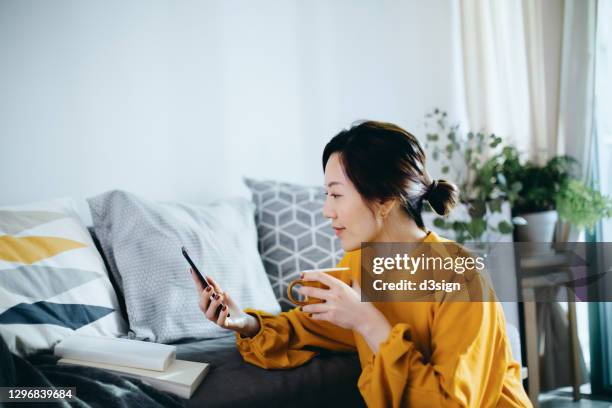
(600, 314)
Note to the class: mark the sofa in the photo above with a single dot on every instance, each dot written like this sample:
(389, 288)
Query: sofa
(329, 379)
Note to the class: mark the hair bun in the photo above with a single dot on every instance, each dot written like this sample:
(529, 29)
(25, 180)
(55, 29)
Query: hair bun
(432, 187)
(442, 195)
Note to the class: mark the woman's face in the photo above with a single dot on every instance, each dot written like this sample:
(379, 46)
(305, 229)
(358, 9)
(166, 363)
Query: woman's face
(351, 218)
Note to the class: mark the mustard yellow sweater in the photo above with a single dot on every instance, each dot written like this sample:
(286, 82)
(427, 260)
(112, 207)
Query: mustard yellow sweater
(438, 354)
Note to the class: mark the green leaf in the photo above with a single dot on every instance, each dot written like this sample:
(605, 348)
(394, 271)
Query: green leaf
(445, 169)
(582, 205)
(516, 186)
(495, 205)
(477, 227)
(459, 226)
(504, 227)
(440, 223)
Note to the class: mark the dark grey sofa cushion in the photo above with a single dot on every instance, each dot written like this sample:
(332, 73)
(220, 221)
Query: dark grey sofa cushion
(330, 379)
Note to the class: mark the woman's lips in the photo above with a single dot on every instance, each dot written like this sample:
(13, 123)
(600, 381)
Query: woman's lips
(339, 231)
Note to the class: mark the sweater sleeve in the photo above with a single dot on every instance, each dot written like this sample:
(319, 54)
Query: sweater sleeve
(463, 370)
(290, 339)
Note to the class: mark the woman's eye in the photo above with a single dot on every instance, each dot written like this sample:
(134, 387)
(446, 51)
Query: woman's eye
(333, 195)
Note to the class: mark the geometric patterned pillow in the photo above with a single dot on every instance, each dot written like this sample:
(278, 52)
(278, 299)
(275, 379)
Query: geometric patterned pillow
(293, 234)
(52, 279)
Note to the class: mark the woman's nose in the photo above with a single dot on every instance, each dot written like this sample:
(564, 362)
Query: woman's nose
(327, 210)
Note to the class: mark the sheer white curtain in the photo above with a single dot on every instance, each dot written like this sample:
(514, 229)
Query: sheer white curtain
(495, 68)
(527, 68)
(576, 102)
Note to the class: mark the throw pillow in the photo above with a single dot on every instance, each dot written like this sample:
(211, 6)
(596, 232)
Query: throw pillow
(142, 242)
(293, 233)
(52, 279)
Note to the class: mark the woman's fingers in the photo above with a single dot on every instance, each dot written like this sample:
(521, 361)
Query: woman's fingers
(215, 301)
(212, 305)
(321, 316)
(314, 292)
(223, 316)
(214, 284)
(315, 308)
(205, 300)
(216, 304)
(322, 277)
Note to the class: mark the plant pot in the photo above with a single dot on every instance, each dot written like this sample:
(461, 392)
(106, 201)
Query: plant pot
(567, 232)
(540, 227)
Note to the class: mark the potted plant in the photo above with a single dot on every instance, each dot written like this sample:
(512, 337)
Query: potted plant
(474, 160)
(535, 205)
(549, 194)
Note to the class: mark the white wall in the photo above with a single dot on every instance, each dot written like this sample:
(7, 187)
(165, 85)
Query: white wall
(178, 100)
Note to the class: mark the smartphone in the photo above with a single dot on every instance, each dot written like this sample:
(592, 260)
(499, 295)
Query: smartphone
(200, 275)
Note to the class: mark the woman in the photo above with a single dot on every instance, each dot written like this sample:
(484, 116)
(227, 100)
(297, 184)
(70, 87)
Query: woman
(411, 353)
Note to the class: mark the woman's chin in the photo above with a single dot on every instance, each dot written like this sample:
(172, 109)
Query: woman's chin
(349, 246)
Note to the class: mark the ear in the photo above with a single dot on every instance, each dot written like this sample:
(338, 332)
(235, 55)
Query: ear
(384, 208)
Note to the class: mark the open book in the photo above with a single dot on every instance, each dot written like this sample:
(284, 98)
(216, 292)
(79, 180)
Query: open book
(181, 377)
(116, 351)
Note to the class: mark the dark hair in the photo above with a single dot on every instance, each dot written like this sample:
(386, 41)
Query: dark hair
(383, 161)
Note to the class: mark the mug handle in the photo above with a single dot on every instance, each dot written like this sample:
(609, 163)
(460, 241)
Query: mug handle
(290, 294)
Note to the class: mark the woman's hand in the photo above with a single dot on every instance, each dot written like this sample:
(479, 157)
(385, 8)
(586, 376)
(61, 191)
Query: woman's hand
(343, 307)
(229, 316)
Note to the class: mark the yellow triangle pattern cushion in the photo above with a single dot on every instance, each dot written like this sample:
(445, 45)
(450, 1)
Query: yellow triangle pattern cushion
(53, 282)
(28, 250)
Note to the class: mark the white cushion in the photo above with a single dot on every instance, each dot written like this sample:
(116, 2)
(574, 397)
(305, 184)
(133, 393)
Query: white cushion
(52, 279)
